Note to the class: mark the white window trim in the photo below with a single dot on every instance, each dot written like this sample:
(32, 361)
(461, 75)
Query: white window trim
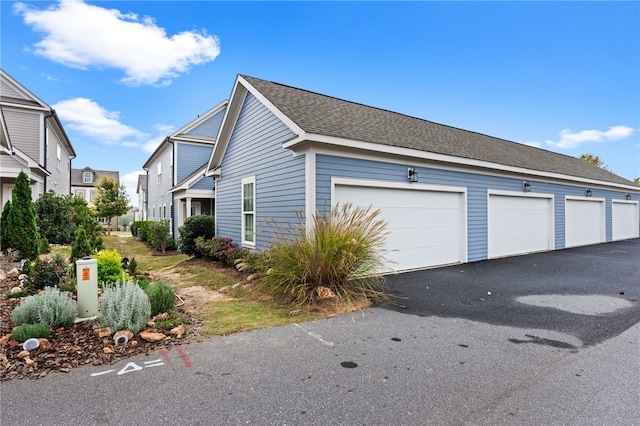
(85, 175)
(245, 181)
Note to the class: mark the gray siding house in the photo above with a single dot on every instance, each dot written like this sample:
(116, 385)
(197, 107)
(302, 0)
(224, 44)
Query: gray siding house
(83, 183)
(177, 187)
(32, 140)
(449, 195)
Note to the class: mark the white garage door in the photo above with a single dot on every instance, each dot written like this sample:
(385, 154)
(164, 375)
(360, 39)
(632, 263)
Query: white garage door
(426, 227)
(519, 224)
(624, 220)
(584, 222)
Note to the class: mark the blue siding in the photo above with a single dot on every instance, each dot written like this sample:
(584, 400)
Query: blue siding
(477, 185)
(208, 128)
(255, 148)
(158, 195)
(190, 157)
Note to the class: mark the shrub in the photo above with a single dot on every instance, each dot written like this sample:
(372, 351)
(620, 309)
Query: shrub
(145, 227)
(83, 216)
(48, 273)
(81, 246)
(133, 267)
(213, 248)
(4, 230)
(254, 263)
(161, 297)
(50, 307)
(19, 227)
(125, 306)
(109, 266)
(159, 235)
(24, 332)
(194, 227)
(53, 216)
(344, 254)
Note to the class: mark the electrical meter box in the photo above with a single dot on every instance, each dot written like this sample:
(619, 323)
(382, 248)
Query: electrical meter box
(87, 280)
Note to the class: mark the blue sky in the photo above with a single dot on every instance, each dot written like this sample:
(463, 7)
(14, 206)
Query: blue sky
(122, 75)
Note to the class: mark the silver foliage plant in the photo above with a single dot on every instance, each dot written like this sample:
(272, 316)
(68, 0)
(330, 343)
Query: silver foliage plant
(125, 306)
(51, 307)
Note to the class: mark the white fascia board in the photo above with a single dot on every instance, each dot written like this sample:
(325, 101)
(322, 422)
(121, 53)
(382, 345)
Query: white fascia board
(430, 156)
(226, 127)
(194, 123)
(20, 88)
(157, 152)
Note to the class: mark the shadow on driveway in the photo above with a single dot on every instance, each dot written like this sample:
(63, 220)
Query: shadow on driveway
(592, 292)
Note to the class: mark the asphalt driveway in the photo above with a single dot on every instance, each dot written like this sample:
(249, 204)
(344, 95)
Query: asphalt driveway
(592, 292)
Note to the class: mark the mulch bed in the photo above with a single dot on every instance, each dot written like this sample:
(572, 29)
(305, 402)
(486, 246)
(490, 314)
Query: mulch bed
(72, 346)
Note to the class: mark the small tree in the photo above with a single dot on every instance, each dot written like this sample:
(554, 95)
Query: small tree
(80, 247)
(637, 181)
(112, 199)
(22, 231)
(53, 217)
(83, 216)
(4, 231)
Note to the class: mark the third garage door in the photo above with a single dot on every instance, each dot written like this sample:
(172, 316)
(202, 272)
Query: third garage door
(519, 224)
(426, 226)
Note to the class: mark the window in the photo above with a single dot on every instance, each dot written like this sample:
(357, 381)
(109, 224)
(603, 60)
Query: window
(87, 177)
(160, 172)
(58, 156)
(80, 193)
(248, 210)
(93, 194)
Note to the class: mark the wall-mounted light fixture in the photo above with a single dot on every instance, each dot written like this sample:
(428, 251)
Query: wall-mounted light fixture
(587, 192)
(627, 196)
(412, 175)
(526, 186)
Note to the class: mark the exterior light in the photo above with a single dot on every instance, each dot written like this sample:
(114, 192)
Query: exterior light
(412, 175)
(526, 186)
(587, 192)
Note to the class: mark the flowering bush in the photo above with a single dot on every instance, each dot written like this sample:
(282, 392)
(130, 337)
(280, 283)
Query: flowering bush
(214, 248)
(48, 273)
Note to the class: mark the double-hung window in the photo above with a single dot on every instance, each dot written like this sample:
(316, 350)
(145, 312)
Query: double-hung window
(249, 211)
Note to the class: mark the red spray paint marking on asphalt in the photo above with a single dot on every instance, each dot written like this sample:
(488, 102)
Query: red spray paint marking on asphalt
(165, 355)
(185, 358)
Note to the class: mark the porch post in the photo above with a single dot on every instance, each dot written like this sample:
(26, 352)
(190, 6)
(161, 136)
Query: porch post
(188, 206)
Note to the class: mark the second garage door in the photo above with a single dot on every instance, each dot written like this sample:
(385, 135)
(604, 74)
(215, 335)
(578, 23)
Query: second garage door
(584, 222)
(426, 226)
(519, 224)
(624, 219)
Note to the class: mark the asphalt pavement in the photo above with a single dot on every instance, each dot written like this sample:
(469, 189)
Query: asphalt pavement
(455, 355)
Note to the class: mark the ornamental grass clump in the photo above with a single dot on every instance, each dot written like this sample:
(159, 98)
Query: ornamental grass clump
(125, 306)
(51, 307)
(343, 256)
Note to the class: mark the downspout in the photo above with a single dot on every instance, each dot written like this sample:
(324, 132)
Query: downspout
(173, 183)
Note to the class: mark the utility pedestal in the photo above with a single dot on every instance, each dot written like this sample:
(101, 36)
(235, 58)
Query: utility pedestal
(87, 280)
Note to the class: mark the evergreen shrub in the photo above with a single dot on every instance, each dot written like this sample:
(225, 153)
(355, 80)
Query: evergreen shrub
(50, 307)
(161, 297)
(25, 332)
(125, 306)
(194, 227)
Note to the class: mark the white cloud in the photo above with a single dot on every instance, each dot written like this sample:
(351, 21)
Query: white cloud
(83, 36)
(162, 131)
(130, 182)
(90, 119)
(569, 139)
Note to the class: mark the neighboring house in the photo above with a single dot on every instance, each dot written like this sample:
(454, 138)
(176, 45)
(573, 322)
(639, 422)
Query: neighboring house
(83, 183)
(176, 185)
(140, 213)
(449, 195)
(32, 140)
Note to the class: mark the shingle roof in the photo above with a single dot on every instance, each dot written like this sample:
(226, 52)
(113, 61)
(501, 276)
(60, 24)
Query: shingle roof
(76, 176)
(329, 116)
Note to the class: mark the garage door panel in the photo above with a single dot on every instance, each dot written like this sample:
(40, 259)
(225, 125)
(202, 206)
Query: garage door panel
(584, 222)
(624, 221)
(518, 225)
(424, 226)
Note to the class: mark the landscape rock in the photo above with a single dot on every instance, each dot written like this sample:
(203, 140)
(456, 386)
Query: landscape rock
(3, 275)
(178, 331)
(23, 354)
(151, 336)
(5, 339)
(127, 333)
(44, 343)
(161, 317)
(13, 273)
(103, 332)
(29, 361)
(107, 351)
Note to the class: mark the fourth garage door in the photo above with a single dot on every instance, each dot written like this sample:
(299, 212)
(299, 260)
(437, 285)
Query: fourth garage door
(519, 224)
(426, 227)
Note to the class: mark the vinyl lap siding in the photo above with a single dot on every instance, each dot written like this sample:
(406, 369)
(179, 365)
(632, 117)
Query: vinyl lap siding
(255, 148)
(159, 195)
(25, 130)
(208, 128)
(477, 186)
(59, 180)
(190, 157)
